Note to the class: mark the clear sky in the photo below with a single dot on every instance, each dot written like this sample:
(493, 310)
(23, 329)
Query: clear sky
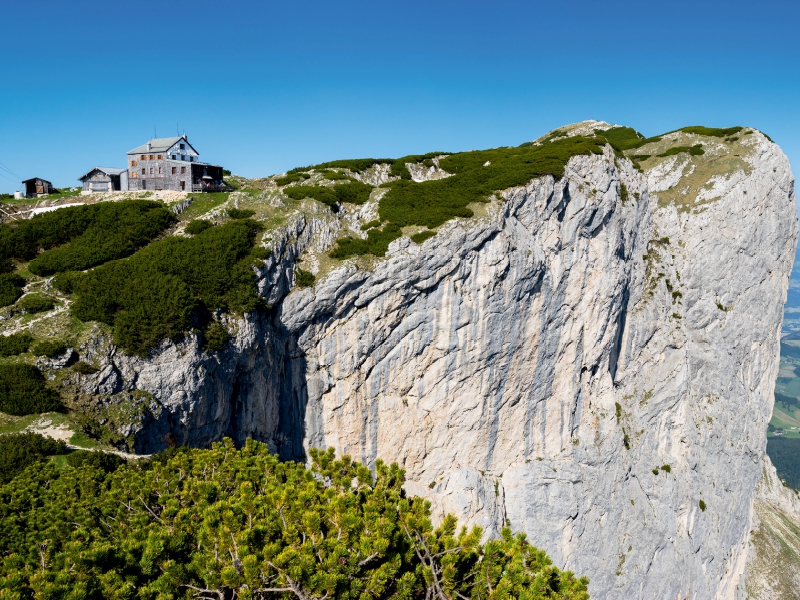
(261, 86)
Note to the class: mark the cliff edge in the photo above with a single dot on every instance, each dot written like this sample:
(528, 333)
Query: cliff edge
(590, 358)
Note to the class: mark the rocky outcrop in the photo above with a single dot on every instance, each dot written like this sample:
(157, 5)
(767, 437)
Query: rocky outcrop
(772, 571)
(590, 360)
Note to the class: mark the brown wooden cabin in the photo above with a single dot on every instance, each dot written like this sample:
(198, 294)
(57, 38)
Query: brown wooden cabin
(36, 187)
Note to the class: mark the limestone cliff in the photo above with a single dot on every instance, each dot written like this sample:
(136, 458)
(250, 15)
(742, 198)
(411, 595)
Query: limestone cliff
(591, 359)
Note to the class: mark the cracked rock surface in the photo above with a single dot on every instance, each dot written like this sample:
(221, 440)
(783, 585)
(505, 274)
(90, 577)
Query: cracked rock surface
(583, 361)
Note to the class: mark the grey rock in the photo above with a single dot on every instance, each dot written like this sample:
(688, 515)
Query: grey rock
(534, 365)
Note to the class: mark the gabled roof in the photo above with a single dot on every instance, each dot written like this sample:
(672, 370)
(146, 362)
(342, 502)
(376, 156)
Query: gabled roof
(160, 145)
(36, 179)
(106, 170)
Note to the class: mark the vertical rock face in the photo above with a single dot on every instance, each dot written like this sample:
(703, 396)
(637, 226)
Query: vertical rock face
(592, 361)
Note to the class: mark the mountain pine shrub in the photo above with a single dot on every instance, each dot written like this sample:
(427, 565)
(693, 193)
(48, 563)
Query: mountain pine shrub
(16, 343)
(161, 290)
(49, 348)
(10, 288)
(228, 523)
(198, 226)
(20, 450)
(23, 391)
(35, 303)
(80, 237)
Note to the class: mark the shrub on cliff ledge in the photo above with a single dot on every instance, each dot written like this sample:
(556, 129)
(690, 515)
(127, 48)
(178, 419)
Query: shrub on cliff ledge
(158, 292)
(23, 391)
(476, 176)
(228, 523)
(80, 237)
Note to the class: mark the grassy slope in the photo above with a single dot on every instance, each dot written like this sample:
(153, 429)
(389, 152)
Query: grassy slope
(774, 545)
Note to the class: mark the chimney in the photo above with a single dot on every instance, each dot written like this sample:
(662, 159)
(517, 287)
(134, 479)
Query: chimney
(184, 136)
(148, 146)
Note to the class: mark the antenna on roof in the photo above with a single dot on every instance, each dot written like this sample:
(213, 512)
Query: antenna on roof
(155, 135)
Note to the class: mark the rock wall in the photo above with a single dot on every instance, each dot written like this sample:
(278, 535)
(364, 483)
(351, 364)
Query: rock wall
(583, 361)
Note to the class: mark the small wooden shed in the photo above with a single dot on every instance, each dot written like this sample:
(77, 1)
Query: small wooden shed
(104, 179)
(36, 186)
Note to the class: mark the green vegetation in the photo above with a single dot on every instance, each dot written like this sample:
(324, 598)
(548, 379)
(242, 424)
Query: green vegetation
(618, 409)
(10, 288)
(304, 279)
(215, 336)
(203, 203)
(377, 243)
(399, 168)
(84, 368)
(49, 348)
(158, 292)
(291, 178)
(783, 453)
(353, 164)
(371, 224)
(702, 505)
(20, 450)
(198, 226)
(36, 303)
(102, 461)
(624, 138)
(237, 213)
(711, 131)
(237, 523)
(336, 176)
(695, 150)
(16, 343)
(666, 468)
(420, 237)
(81, 237)
(354, 192)
(431, 203)
(23, 391)
(476, 176)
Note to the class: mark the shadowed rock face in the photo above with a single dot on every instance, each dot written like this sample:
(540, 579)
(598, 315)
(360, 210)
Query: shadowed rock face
(533, 365)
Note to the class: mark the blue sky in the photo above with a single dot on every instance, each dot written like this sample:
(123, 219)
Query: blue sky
(261, 87)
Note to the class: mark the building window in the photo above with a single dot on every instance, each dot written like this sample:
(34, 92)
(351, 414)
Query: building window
(174, 170)
(151, 157)
(143, 171)
(159, 170)
(160, 156)
(133, 163)
(183, 146)
(143, 157)
(151, 170)
(183, 170)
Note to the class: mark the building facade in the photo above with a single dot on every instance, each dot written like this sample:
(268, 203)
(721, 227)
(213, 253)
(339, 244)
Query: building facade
(104, 179)
(36, 186)
(172, 164)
